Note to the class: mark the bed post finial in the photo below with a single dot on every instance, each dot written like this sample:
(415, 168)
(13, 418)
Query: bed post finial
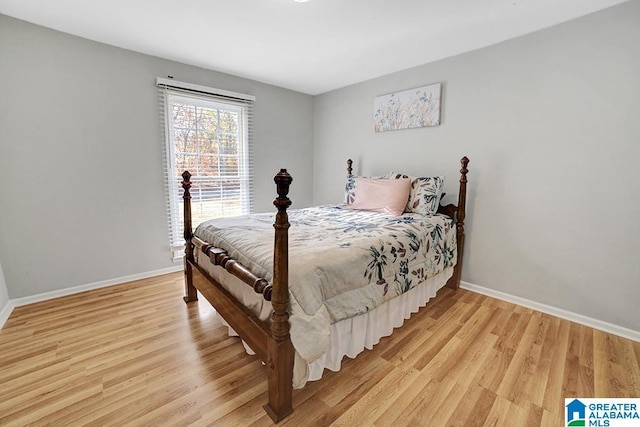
(349, 168)
(283, 181)
(279, 348)
(189, 290)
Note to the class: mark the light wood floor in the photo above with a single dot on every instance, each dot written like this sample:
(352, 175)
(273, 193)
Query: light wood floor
(135, 354)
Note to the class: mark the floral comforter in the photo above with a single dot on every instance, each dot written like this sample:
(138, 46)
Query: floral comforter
(342, 262)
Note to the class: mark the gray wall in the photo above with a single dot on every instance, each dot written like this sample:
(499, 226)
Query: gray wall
(81, 172)
(551, 124)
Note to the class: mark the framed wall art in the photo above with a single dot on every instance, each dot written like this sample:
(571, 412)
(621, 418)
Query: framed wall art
(413, 108)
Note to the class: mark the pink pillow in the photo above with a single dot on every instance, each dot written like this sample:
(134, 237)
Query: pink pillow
(382, 195)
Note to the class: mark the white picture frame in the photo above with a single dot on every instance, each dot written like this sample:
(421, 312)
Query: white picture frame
(413, 108)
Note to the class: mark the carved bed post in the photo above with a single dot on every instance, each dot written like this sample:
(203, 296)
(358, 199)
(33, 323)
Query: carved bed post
(349, 168)
(279, 349)
(190, 293)
(461, 213)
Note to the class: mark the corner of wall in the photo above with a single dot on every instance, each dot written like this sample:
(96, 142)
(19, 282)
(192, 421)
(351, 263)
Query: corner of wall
(6, 307)
(5, 312)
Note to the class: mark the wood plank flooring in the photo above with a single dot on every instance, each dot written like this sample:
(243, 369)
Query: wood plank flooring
(135, 354)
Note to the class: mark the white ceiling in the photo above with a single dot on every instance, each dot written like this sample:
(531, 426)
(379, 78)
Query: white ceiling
(311, 47)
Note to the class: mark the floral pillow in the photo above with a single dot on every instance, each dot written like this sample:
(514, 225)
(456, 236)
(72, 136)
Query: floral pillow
(425, 193)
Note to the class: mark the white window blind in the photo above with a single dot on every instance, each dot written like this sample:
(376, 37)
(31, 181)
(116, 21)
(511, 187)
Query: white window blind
(207, 131)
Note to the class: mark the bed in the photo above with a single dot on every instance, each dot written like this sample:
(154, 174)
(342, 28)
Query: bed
(355, 272)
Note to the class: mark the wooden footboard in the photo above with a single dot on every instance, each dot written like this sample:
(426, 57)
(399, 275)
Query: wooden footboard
(271, 340)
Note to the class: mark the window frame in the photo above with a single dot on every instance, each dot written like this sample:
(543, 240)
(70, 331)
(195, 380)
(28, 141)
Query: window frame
(173, 177)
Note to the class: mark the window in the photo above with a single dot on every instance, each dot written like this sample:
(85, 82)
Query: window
(207, 135)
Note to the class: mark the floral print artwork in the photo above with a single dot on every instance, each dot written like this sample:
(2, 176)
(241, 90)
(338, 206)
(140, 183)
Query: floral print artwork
(414, 108)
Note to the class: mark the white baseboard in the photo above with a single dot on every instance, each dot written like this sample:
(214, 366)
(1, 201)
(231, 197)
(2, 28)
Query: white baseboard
(554, 311)
(17, 302)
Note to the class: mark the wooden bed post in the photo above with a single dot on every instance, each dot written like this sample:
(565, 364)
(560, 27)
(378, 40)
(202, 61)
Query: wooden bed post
(349, 168)
(454, 282)
(280, 350)
(190, 293)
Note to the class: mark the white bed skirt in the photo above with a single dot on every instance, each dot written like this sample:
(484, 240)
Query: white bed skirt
(349, 337)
